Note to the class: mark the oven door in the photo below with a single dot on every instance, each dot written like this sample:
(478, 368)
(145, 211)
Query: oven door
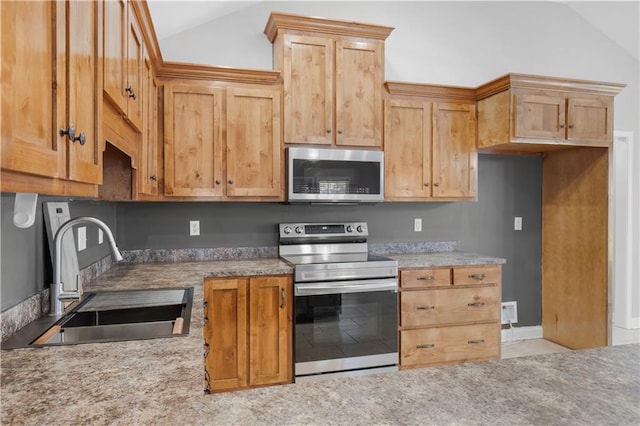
(346, 326)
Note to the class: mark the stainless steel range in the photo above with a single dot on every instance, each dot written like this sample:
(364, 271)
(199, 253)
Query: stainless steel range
(346, 300)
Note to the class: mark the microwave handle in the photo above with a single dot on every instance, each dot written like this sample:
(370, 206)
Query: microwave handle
(342, 287)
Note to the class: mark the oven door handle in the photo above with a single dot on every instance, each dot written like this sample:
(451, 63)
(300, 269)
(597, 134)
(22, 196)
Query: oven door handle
(340, 287)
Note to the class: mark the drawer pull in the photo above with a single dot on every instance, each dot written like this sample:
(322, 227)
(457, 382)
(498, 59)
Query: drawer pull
(478, 276)
(427, 346)
(427, 278)
(475, 342)
(425, 308)
(476, 304)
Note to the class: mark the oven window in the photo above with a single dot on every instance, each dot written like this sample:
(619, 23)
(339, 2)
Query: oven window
(347, 325)
(336, 177)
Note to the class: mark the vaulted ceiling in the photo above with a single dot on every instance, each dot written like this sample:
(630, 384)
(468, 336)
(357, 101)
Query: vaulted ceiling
(616, 20)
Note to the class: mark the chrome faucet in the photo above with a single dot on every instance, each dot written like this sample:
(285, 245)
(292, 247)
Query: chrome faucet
(57, 295)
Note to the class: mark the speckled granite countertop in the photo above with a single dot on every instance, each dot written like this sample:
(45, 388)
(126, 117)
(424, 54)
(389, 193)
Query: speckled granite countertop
(448, 258)
(160, 381)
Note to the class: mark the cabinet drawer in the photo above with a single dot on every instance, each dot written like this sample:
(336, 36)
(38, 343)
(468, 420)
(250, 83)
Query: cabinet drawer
(419, 278)
(477, 275)
(448, 306)
(449, 344)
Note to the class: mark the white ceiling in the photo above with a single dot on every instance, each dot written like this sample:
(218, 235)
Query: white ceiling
(617, 21)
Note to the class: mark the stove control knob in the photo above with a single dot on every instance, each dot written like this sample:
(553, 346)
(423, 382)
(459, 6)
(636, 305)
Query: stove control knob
(299, 229)
(360, 228)
(349, 228)
(287, 230)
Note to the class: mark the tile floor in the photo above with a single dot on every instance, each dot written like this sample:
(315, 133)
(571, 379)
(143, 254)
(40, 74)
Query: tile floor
(528, 347)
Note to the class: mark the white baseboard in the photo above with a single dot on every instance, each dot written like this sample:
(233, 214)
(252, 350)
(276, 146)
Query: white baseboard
(522, 333)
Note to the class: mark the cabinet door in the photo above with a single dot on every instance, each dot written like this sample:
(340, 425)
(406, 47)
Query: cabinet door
(359, 93)
(308, 89)
(82, 66)
(225, 333)
(455, 154)
(33, 87)
(134, 72)
(590, 121)
(539, 116)
(148, 163)
(193, 140)
(407, 148)
(269, 330)
(253, 143)
(115, 52)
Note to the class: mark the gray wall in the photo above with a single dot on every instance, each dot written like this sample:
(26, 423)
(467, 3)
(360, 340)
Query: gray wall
(26, 262)
(508, 186)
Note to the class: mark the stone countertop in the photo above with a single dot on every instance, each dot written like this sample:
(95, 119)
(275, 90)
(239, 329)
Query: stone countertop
(160, 381)
(448, 258)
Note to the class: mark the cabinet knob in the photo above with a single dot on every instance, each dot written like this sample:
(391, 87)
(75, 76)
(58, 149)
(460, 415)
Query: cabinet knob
(230, 182)
(426, 184)
(132, 94)
(328, 130)
(562, 126)
(153, 177)
(339, 132)
(436, 184)
(70, 132)
(572, 126)
(218, 181)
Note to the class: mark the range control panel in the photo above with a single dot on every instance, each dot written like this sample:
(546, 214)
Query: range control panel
(323, 230)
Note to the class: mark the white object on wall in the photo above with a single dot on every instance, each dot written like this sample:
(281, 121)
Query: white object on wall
(24, 209)
(56, 214)
(625, 294)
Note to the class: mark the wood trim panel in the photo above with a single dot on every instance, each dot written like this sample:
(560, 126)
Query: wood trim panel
(141, 11)
(279, 20)
(575, 235)
(542, 82)
(19, 182)
(431, 91)
(180, 70)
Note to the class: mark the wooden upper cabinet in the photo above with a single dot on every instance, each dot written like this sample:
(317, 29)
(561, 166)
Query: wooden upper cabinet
(148, 164)
(333, 79)
(49, 83)
(407, 148)
(193, 140)
(33, 103)
(455, 155)
(430, 145)
(359, 88)
(529, 113)
(123, 45)
(254, 147)
(308, 88)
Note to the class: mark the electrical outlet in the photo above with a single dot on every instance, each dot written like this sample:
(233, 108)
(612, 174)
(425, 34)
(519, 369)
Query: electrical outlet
(417, 224)
(194, 228)
(82, 238)
(517, 223)
(100, 236)
(509, 312)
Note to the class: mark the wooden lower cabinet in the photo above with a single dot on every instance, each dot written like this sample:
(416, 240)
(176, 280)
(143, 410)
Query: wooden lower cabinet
(449, 315)
(247, 332)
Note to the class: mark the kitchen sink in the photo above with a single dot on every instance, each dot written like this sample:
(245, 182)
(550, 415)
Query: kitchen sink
(113, 316)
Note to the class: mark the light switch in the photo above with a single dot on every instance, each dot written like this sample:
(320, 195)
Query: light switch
(417, 224)
(82, 238)
(517, 223)
(194, 227)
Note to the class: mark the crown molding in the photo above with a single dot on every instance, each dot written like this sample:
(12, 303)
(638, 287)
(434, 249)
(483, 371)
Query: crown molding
(205, 72)
(278, 20)
(444, 93)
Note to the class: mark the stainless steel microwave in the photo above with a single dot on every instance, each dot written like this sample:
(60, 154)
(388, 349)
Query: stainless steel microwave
(320, 175)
